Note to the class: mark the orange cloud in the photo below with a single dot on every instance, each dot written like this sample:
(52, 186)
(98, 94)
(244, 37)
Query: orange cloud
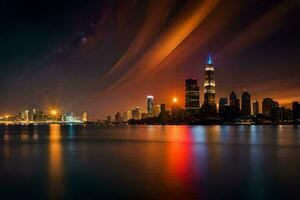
(178, 31)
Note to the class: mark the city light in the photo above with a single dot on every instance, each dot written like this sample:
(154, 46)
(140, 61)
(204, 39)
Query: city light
(174, 100)
(54, 112)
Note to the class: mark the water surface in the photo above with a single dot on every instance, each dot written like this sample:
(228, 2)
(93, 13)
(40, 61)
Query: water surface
(149, 162)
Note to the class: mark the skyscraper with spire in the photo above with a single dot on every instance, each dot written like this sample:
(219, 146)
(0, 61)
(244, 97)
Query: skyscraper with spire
(209, 105)
(209, 83)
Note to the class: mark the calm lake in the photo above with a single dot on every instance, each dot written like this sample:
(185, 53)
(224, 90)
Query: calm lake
(149, 162)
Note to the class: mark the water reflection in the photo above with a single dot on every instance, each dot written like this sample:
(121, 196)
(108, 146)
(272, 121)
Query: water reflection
(161, 161)
(55, 162)
(179, 160)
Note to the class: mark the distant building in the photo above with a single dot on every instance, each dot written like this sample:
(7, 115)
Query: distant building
(84, 117)
(164, 115)
(145, 115)
(162, 108)
(26, 116)
(108, 119)
(157, 110)
(135, 113)
(150, 106)
(234, 101)
(222, 103)
(70, 118)
(39, 116)
(276, 113)
(30, 114)
(192, 102)
(285, 115)
(246, 104)
(129, 114)
(118, 117)
(255, 108)
(125, 117)
(267, 105)
(296, 111)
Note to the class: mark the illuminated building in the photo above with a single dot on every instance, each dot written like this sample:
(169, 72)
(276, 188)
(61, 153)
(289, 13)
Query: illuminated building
(157, 110)
(125, 117)
(135, 113)
(26, 115)
(296, 111)
(129, 115)
(84, 117)
(150, 106)
(222, 103)
(255, 108)
(70, 118)
(192, 102)
(246, 104)
(267, 105)
(209, 83)
(208, 108)
(30, 115)
(234, 101)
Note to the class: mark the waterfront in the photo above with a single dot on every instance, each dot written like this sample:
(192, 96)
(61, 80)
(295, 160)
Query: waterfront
(149, 162)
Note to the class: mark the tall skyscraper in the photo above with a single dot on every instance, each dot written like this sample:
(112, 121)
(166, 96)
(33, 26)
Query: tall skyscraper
(255, 108)
(209, 108)
(150, 106)
(246, 103)
(267, 105)
(209, 83)
(192, 102)
(234, 101)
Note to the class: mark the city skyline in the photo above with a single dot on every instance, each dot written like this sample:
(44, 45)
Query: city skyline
(87, 55)
(149, 99)
(231, 108)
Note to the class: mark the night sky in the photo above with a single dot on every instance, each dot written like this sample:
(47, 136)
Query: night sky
(106, 56)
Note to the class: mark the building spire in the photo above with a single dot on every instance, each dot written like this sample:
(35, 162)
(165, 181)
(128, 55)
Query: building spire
(209, 60)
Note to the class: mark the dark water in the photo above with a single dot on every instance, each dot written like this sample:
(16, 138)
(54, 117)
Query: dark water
(150, 162)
